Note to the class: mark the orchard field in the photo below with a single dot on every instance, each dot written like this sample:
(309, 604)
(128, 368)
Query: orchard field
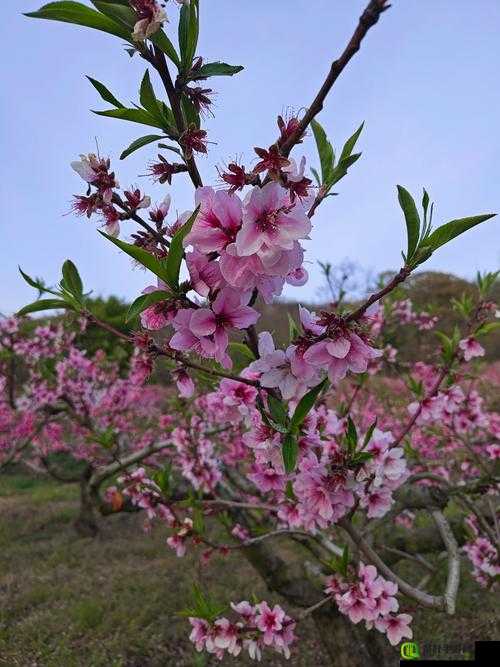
(112, 601)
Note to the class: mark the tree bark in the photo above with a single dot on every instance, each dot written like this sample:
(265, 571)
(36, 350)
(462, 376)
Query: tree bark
(86, 523)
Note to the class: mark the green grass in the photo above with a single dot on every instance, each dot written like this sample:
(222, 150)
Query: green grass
(112, 601)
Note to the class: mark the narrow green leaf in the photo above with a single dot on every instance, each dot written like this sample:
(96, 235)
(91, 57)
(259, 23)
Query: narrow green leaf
(454, 228)
(486, 328)
(351, 435)
(134, 115)
(277, 410)
(290, 452)
(121, 13)
(216, 69)
(190, 114)
(242, 350)
(188, 33)
(139, 143)
(341, 169)
(72, 280)
(344, 562)
(176, 252)
(412, 219)
(306, 403)
(350, 143)
(325, 151)
(369, 433)
(316, 176)
(140, 255)
(145, 301)
(79, 14)
(148, 97)
(44, 304)
(160, 40)
(106, 94)
(293, 329)
(31, 282)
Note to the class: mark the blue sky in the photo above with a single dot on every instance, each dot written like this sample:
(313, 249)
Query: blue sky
(425, 83)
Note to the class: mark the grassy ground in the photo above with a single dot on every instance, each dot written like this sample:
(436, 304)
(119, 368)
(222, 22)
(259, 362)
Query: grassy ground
(110, 601)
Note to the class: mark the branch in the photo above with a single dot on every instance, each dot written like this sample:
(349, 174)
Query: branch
(425, 599)
(453, 560)
(160, 64)
(120, 464)
(369, 18)
(400, 277)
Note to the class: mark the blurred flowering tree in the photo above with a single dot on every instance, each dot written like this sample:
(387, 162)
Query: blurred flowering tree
(299, 443)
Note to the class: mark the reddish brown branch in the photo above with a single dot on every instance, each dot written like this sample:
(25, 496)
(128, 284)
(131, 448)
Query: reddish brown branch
(368, 18)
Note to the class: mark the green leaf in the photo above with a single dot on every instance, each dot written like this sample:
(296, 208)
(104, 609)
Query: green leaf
(293, 329)
(176, 252)
(289, 493)
(31, 282)
(369, 433)
(277, 410)
(350, 143)
(344, 561)
(190, 114)
(133, 115)
(486, 328)
(72, 281)
(341, 169)
(44, 304)
(216, 69)
(241, 354)
(454, 228)
(121, 13)
(140, 255)
(106, 94)
(148, 97)
(361, 457)
(290, 452)
(160, 40)
(351, 435)
(412, 219)
(188, 33)
(306, 403)
(78, 14)
(145, 301)
(316, 176)
(325, 152)
(139, 143)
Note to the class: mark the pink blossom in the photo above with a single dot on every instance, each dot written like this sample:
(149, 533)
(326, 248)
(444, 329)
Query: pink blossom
(269, 621)
(345, 353)
(471, 348)
(271, 223)
(185, 384)
(204, 274)
(184, 339)
(217, 222)
(396, 627)
(227, 312)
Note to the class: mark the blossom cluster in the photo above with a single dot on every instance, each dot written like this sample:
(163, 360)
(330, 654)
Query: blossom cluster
(483, 556)
(257, 627)
(403, 310)
(371, 598)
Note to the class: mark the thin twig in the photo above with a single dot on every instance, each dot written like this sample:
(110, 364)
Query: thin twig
(369, 18)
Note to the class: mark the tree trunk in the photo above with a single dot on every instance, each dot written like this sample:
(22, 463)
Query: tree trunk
(86, 523)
